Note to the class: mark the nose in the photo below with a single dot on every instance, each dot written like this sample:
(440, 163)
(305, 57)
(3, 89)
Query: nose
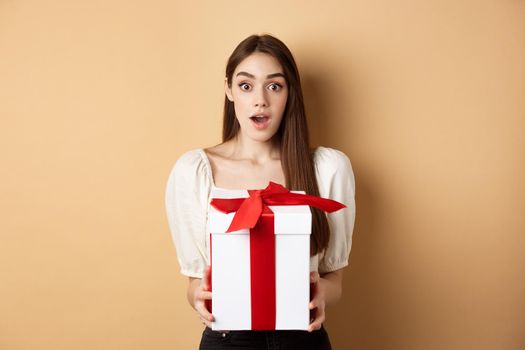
(260, 98)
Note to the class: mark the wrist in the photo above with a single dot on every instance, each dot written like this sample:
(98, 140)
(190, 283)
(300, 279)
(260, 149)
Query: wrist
(331, 291)
(194, 283)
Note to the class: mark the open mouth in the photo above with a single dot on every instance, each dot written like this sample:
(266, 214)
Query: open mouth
(260, 121)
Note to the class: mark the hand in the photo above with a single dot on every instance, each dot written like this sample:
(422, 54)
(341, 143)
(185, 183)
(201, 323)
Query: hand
(317, 304)
(201, 295)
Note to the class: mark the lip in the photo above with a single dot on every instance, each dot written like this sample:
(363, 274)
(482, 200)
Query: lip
(261, 125)
(259, 114)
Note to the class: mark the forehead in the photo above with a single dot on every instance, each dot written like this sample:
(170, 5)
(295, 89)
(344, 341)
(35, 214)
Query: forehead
(259, 64)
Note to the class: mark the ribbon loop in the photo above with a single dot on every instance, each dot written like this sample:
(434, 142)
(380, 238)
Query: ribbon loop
(249, 210)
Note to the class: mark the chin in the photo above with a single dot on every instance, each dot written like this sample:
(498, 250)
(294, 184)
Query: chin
(262, 137)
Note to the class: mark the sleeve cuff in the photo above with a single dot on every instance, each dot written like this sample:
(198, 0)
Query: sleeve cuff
(193, 274)
(325, 268)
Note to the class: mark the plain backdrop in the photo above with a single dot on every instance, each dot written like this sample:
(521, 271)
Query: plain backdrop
(99, 98)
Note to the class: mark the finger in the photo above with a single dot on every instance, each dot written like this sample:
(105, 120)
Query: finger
(315, 301)
(206, 322)
(317, 323)
(203, 312)
(317, 314)
(203, 320)
(314, 326)
(203, 295)
(314, 277)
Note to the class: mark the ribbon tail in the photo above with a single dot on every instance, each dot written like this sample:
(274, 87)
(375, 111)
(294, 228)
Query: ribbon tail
(262, 271)
(290, 198)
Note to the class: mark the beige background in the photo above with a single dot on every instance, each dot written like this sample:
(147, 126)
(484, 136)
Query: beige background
(99, 98)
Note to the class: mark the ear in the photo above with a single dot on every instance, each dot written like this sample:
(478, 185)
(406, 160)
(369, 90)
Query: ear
(228, 90)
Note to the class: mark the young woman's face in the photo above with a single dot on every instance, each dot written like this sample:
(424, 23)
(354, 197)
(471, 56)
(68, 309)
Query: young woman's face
(259, 93)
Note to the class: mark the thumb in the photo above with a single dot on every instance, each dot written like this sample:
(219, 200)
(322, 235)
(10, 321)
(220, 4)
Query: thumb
(314, 277)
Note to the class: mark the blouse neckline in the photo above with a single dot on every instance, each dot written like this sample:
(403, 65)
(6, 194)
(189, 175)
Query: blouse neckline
(208, 167)
(210, 172)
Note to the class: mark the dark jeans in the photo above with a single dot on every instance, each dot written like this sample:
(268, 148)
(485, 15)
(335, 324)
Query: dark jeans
(265, 340)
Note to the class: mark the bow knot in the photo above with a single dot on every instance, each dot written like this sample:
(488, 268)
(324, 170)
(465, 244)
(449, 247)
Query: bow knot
(249, 210)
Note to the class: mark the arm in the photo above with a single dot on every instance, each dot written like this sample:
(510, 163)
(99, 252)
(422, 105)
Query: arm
(327, 291)
(336, 181)
(332, 284)
(197, 294)
(186, 201)
(194, 283)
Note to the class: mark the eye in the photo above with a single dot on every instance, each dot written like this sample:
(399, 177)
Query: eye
(244, 86)
(275, 86)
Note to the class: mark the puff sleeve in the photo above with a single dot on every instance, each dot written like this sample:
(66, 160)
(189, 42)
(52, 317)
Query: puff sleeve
(186, 197)
(335, 178)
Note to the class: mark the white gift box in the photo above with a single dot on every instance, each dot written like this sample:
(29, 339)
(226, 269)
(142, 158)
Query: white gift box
(230, 259)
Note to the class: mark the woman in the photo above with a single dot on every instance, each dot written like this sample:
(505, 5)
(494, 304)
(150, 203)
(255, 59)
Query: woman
(265, 138)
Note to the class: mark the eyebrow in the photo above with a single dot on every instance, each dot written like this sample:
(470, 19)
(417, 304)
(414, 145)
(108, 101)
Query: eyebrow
(269, 76)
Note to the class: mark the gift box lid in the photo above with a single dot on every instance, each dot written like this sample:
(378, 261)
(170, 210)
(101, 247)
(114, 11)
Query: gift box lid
(289, 219)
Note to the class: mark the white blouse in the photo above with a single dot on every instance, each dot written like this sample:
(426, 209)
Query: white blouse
(187, 198)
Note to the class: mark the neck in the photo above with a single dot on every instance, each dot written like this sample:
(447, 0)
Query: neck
(256, 151)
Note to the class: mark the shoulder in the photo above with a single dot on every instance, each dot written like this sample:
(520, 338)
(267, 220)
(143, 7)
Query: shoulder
(331, 160)
(190, 160)
(189, 178)
(190, 164)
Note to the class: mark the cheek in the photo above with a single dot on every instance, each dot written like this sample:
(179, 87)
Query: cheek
(282, 103)
(242, 101)
(240, 106)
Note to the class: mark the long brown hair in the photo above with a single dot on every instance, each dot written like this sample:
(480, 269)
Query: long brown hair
(296, 156)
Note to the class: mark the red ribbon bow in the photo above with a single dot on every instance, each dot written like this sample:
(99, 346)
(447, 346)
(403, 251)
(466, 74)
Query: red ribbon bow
(249, 210)
(253, 213)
